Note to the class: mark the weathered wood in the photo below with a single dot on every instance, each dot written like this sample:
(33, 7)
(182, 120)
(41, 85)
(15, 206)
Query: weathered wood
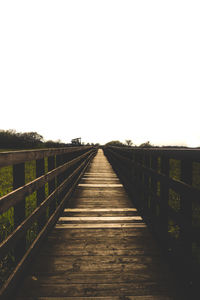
(12, 239)
(148, 297)
(40, 192)
(52, 183)
(19, 208)
(15, 196)
(13, 279)
(91, 263)
(164, 191)
(75, 290)
(186, 225)
(16, 157)
(172, 210)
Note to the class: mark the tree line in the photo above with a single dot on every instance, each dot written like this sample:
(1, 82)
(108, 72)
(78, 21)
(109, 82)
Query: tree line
(10, 139)
(129, 143)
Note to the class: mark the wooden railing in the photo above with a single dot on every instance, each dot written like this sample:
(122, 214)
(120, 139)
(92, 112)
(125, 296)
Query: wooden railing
(165, 187)
(57, 173)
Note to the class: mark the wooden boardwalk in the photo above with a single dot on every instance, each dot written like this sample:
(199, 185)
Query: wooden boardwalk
(99, 249)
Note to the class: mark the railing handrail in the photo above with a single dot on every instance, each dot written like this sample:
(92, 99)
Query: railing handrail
(176, 153)
(17, 156)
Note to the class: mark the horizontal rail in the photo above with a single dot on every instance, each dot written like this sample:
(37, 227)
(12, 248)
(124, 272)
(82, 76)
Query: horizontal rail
(178, 185)
(16, 157)
(175, 153)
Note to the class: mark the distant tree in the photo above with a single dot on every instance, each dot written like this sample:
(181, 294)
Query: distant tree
(114, 143)
(128, 142)
(146, 145)
(30, 139)
(50, 144)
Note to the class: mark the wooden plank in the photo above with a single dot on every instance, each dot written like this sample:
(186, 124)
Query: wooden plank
(98, 233)
(93, 251)
(99, 209)
(148, 297)
(94, 290)
(94, 185)
(101, 225)
(91, 277)
(99, 179)
(100, 214)
(122, 219)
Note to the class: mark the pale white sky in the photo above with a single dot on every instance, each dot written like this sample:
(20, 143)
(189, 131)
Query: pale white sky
(101, 70)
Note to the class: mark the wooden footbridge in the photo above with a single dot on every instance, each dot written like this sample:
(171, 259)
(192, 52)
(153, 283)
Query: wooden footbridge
(103, 231)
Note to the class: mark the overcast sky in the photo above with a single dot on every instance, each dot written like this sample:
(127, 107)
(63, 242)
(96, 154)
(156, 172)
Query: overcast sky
(101, 70)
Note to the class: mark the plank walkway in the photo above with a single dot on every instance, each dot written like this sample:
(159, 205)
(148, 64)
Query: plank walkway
(99, 249)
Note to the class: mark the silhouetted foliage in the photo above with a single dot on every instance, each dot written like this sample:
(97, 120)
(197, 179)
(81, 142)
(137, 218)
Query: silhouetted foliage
(114, 143)
(55, 144)
(129, 142)
(10, 139)
(14, 140)
(146, 145)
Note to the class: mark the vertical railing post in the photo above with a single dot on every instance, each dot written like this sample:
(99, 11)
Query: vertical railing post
(59, 160)
(186, 225)
(154, 164)
(41, 191)
(164, 192)
(52, 184)
(19, 209)
(141, 181)
(138, 180)
(133, 176)
(146, 186)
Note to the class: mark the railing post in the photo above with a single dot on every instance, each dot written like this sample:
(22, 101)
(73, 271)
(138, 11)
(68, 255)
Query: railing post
(164, 192)
(186, 225)
(141, 182)
(146, 186)
(40, 192)
(154, 164)
(52, 184)
(137, 181)
(59, 160)
(19, 209)
(133, 176)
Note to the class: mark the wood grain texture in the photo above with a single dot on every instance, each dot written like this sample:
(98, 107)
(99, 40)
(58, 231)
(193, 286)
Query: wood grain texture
(107, 262)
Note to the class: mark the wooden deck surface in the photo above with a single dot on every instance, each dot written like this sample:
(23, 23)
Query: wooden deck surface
(99, 249)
